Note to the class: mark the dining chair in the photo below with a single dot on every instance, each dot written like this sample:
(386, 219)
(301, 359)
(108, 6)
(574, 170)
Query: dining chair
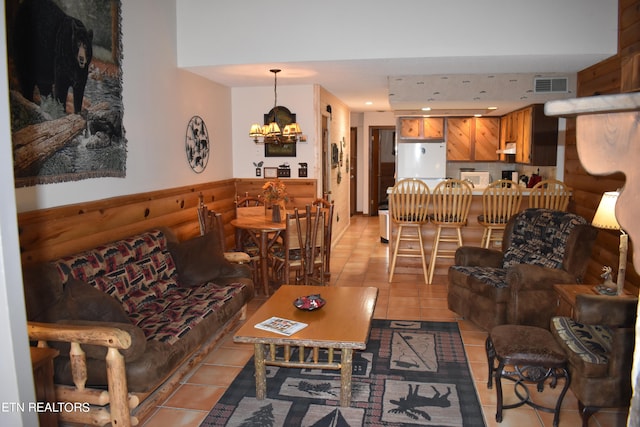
(303, 249)
(408, 208)
(550, 194)
(327, 207)
(211, 222)
(451, 200)
(500, 201)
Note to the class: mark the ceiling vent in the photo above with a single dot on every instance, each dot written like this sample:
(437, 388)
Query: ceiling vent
(550, 84)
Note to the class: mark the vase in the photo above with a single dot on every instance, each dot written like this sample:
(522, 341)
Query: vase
(275, 213)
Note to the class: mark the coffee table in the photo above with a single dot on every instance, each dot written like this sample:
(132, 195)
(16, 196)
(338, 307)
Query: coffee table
(343, 323)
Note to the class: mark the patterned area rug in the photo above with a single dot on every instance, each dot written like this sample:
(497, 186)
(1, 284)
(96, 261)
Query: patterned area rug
(411, 373)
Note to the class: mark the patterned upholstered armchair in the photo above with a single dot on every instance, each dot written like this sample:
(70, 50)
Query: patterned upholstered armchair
(599, 345)
(540, 248)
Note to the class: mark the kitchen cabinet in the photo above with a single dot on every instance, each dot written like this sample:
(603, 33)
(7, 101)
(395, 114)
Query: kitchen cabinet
(421, 127)
(534, 134)
(473, 139)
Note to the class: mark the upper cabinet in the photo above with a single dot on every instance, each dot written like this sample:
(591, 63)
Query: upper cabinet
(421, 127)
(473, 139)
(534, 134)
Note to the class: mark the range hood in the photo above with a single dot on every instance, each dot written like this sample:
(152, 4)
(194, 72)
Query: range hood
(510, 148)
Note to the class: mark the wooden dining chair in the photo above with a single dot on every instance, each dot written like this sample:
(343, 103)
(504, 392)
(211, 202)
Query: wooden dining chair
(451, 200)
(500, 201)
(211, 222)
(550, 194)
(303, 250)
(408, 208)
(327, 207)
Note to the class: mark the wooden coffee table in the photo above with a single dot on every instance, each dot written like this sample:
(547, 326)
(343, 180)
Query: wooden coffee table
(343, 323)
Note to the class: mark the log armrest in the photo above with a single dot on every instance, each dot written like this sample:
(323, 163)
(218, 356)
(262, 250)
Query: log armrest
(114, 339)
(606, 310)
(472, 256)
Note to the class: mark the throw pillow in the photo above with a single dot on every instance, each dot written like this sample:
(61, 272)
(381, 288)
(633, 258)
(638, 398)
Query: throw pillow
(42, 288)
(81, 301)
(199, 260)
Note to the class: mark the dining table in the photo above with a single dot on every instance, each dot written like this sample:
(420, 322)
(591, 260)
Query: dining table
(264, 233)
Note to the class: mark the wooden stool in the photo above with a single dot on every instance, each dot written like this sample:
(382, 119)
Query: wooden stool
(534, 356)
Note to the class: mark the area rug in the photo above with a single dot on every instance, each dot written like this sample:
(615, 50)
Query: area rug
(411, 373)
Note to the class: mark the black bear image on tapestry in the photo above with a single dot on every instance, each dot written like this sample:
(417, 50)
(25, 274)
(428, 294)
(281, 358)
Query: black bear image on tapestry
(65, 86)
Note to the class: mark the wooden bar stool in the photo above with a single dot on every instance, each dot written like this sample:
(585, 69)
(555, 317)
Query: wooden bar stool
(451, 203)
(500, 201)
(408, 207)
(550, 194)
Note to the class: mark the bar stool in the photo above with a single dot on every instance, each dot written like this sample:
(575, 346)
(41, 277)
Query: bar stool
(451, 203)
(550, 194)
(408, 207)
(500, 201)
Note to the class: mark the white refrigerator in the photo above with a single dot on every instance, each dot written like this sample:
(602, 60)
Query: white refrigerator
(426, 161)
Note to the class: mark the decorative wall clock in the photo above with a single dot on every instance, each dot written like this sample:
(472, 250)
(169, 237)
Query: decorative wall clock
(196, 144)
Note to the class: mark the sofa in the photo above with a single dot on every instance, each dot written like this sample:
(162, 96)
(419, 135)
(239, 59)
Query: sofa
(514, 285)
(131, 317)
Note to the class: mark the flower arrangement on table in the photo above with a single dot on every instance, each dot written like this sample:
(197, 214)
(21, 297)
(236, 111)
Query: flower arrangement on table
(275, 194)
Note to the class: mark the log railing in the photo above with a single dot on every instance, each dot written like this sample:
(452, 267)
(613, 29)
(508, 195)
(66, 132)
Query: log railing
(120, 403)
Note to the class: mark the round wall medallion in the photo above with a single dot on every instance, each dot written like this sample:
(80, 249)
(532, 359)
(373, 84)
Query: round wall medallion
(197, 144)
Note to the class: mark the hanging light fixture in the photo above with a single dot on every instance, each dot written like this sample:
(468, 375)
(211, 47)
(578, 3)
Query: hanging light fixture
(272, 133)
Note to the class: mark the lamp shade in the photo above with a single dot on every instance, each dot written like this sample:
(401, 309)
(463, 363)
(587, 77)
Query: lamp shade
(256, 130)
(605, 216)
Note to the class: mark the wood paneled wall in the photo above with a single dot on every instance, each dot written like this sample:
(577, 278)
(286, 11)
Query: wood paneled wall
(48, 234)
(600, 79)
(301, 192)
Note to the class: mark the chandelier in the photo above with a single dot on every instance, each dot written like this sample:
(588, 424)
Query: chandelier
(282, 128)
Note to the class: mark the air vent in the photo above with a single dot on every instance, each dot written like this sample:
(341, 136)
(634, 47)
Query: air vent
(550, 84)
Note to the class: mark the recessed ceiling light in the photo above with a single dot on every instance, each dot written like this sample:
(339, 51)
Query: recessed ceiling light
(477, 115)
(492, 108)
(426, 108)
(368, 103)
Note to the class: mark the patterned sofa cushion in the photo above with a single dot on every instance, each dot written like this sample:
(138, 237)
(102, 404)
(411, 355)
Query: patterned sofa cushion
(134, 270)
(539, 237)
(587, 346)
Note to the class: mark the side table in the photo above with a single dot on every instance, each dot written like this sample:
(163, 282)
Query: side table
(567, 297)
(42, 365)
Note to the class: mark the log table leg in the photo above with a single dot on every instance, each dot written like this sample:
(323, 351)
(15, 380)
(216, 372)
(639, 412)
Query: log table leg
(346, 365)
(261, 371)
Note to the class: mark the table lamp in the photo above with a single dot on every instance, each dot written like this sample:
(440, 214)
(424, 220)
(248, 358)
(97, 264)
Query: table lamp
(605, 217)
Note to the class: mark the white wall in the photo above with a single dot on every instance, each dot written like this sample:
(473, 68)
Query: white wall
(15, 374)
(159, 99)
(315, 31)
(249, 105)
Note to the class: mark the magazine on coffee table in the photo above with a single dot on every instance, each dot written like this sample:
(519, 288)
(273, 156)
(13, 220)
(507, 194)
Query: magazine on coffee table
(281, 326)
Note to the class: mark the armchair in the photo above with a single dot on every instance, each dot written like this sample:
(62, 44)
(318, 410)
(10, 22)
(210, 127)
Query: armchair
(599, 346)
(540, 248)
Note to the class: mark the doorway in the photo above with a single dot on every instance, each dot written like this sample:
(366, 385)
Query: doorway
(353, 171)
(382, 165)
(326, 165)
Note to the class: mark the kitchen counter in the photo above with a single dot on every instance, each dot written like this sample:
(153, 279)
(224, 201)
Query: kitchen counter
(477, 191)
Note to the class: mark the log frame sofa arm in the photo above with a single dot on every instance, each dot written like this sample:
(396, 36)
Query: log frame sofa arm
(113, 339)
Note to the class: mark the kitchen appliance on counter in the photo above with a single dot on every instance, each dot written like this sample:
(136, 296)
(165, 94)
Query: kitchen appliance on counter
(426, 161)
(479, 179)
(510, 174)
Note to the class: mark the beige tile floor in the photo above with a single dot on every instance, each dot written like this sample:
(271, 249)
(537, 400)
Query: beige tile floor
(359, 259)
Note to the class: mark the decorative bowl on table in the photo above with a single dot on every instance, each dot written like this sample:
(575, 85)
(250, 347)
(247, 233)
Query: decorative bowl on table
(309, 302)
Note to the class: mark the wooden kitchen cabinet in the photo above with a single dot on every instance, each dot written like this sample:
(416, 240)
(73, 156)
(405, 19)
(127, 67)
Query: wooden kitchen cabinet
(421, 127)
(473, 139)
(459, 138)
(534, 133)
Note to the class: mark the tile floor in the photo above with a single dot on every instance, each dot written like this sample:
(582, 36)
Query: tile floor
(359, 259)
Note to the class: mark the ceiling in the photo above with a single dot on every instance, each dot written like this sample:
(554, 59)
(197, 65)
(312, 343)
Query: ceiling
(456, 81)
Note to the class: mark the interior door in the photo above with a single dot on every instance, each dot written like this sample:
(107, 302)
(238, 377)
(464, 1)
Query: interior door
(381, 169)
(353, 171)
(326, 166)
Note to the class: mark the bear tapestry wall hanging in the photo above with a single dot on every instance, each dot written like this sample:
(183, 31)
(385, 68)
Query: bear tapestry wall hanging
(65, 81)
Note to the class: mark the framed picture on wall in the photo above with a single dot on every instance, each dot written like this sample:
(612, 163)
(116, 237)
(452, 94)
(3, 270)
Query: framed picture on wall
(280, 150)
(270, 172)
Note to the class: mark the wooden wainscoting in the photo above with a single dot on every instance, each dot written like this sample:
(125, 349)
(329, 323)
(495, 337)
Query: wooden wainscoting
(301, 191)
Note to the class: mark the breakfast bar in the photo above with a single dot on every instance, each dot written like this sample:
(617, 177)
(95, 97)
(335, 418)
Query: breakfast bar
(471, 235)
